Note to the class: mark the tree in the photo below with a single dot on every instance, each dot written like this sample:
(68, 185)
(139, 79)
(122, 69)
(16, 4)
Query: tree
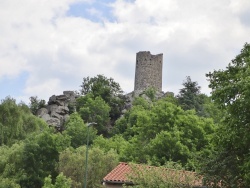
(190, 97)
(10, 164)
(101, 86)
(95, 110)
(231, 92)
(211, 110)
(72, 164)
(150, 93)
(116, 143)
(8, 183)
(36, 104)
(17, 122)
(61, 182)
(123, 124)
(40, 157)
(77, 130)
(162, 132)
(108, 90)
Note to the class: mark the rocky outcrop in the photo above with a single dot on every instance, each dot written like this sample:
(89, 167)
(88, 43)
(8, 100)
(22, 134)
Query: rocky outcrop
(58, 109)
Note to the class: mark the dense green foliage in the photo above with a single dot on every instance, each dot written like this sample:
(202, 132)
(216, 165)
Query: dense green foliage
(94, 110)
(16, 122)
(101, 86)
(231, 92)
(31, 154)
(161, 131)
(7, 183)
(77, 131)
(61, 182)
(72, 164)
(111, 94)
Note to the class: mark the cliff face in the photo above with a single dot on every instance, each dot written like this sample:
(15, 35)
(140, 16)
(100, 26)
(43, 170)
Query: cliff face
(58, 108)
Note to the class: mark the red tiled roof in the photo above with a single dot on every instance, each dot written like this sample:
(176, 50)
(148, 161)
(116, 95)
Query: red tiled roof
(121, 172)
(118, 174)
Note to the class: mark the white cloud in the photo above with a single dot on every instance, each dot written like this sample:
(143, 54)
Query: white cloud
(58, 50)
(94, 12)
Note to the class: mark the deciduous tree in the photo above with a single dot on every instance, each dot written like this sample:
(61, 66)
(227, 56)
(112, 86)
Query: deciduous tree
(164, 132)
(106, 88)
(40, 157)
(61, 182)
(95, 110)
(77, 130)
(231, 92)
(16, 122)
(72, 164)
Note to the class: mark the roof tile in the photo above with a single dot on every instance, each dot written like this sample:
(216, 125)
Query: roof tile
(121, 172)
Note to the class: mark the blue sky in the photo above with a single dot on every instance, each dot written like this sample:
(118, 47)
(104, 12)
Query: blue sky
(47, 47)
(12, 86)
(95, 11)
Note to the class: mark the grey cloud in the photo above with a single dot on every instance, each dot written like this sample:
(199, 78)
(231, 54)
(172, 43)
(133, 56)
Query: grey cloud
(198, 60)
(62, 65)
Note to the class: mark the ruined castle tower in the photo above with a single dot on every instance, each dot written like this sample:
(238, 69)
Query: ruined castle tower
(148, 71)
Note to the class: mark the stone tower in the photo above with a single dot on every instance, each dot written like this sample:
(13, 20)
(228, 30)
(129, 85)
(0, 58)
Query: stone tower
(148, 71)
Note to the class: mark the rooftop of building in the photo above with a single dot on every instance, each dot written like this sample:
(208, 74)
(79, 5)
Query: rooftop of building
(124, 171)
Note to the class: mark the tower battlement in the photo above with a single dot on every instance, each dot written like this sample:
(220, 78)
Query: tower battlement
(148, 71)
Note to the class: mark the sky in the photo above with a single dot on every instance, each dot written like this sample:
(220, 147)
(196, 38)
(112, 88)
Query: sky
(47, 47)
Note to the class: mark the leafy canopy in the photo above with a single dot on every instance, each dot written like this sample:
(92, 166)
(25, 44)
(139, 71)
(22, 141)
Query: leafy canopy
(77, 131)
(100, 86)
(162, 131)
(17, 122)
(231, 92)
(100, 162)
(106, 88)
(94, 110)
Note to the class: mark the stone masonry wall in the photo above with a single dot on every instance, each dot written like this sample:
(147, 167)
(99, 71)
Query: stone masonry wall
(148, 71)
